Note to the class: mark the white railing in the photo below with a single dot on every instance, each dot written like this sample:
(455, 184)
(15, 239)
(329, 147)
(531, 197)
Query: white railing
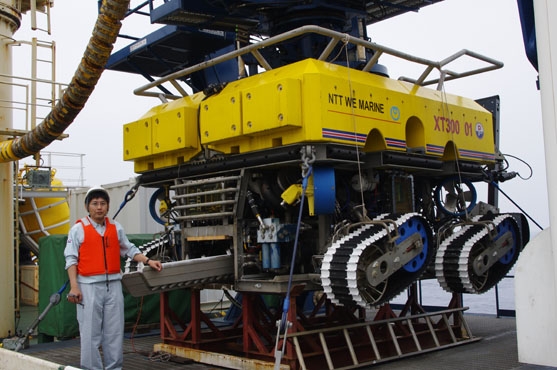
(335, 38)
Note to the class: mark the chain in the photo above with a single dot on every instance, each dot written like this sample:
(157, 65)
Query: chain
(308, 158)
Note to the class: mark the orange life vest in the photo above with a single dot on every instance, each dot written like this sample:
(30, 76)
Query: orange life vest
(99, 254)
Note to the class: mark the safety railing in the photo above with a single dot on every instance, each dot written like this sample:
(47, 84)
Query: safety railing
(335, 38)
(41, 94)
(499, 312)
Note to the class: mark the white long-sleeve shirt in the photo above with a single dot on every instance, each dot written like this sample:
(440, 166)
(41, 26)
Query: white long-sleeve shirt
(75, 239)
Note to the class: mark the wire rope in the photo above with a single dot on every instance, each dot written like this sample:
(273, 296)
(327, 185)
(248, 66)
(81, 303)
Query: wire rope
(345, 41)
(448, 114)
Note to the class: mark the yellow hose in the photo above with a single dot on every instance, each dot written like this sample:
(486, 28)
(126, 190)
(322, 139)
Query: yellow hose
(80, 88)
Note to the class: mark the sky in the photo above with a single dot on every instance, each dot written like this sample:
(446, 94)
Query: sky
(491, 28)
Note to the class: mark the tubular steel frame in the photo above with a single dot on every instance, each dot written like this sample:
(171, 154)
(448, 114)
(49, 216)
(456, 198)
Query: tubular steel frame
(336, 37)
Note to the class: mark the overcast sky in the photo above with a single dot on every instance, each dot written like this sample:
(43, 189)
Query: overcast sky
(489, 27)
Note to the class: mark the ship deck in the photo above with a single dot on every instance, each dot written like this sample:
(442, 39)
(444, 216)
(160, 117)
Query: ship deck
(496, 350)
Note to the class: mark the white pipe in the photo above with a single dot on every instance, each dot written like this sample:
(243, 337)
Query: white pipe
(42, 208)
(7, 295)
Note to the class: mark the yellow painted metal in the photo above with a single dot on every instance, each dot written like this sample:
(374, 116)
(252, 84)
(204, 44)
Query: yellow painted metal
(225, 108)
(138, 139)
(314, 101)
(45, 216)
(271, 106)
(166, 135)
(294, 192)
(217, 359)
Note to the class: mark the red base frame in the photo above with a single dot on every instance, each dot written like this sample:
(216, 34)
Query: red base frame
(253, 333)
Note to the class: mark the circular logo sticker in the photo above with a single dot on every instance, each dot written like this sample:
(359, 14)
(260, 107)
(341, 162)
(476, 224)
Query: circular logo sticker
(479, 130)
(395, 113)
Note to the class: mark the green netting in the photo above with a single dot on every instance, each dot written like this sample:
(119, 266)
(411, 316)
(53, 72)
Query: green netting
(61, 320)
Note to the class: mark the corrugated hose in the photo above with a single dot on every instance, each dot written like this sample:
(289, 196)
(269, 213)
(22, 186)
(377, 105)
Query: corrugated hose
(82, 85)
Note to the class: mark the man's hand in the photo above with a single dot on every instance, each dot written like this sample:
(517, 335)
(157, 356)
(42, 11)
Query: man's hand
(74, 296)
(156, 265)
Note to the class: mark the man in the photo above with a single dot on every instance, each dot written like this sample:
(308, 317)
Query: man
(95, 245)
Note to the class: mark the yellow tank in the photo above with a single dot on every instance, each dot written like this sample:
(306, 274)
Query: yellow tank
(40, 217)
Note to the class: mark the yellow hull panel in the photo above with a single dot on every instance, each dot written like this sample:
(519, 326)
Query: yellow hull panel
(313, 101)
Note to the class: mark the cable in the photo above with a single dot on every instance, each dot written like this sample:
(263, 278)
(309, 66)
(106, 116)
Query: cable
(286, 304)
(338, 54)
(355, 132)
(516, 205)
(448, 114)
(129, 196)
(220, 301)
(523, 161)
(144, 353)
(78, 92)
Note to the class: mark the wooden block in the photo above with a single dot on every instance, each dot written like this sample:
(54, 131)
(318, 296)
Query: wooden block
(29, 284)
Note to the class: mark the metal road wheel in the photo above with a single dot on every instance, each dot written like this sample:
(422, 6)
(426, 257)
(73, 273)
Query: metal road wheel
(371, 294)
(478, 281)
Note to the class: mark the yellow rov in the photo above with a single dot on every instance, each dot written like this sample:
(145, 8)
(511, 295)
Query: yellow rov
(313, 101)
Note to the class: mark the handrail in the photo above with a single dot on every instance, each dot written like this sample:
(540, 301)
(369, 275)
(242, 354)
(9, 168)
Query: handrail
(335, 38)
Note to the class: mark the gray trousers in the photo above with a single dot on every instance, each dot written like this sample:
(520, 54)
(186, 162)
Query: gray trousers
(101, 322)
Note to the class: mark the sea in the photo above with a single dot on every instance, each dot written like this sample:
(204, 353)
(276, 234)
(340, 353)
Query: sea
(433, 295)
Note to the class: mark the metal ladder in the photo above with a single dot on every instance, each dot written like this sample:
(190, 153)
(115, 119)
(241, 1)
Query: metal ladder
(388, 339)
(42, 7)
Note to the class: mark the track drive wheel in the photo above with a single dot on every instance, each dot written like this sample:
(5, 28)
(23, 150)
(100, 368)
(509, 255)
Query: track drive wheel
(363, 268)
(478, 256)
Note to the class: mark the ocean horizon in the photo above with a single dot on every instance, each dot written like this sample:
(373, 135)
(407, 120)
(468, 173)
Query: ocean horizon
(434, 295)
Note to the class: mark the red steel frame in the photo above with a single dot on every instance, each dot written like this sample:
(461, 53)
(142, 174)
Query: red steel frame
(256, 326)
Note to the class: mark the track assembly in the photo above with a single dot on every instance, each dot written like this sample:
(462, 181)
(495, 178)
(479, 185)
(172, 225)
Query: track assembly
(479, 255)
(149, 249)
(368, 266)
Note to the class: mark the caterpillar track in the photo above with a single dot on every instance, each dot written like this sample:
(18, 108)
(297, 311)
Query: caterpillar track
(148, 249)
(479, 255)
(368, 268)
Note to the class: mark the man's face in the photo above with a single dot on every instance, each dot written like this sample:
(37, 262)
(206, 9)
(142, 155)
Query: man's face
(98, 209)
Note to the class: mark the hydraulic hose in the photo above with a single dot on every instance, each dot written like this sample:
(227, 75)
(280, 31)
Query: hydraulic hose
(81, 86)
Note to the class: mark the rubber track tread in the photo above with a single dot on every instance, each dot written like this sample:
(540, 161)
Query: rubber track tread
(339, 275)
(452, 262)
